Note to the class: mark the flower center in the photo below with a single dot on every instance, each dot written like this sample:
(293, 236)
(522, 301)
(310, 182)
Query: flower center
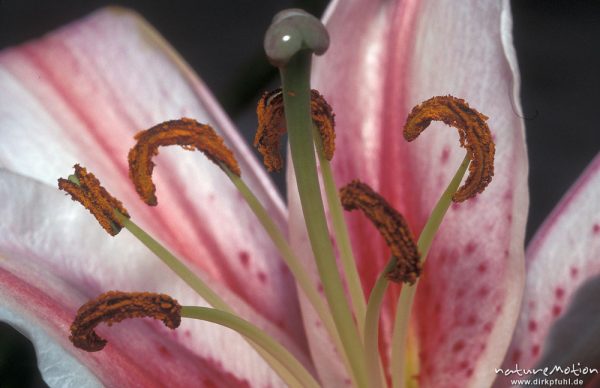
(352, 323)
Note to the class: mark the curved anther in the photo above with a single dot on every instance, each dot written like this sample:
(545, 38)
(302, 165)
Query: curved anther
(391, 225)
(185, 132)
(474, 134)
(85, 188)
(115, 306)
(272, 126)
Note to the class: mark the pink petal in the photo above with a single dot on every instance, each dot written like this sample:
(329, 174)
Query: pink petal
(386, 57)
(139, 353)
(78, 96)
(562, 257)
(44, 233)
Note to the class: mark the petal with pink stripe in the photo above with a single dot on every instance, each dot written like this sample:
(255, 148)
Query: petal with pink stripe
(79, 95)
(386, 57)
(45, 233)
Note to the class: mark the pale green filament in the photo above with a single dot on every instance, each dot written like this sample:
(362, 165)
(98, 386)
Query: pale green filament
(289, 257)
(342, 237)
(255, 336)
(197, 285)
(371, 335)
(175, 265)
(399, 337)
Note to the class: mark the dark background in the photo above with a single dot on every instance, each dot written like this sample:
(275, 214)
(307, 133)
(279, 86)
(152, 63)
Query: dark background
(557, 42)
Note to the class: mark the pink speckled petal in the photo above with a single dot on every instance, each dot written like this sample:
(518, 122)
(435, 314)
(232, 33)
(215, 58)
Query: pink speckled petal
(562, 256)
(79, 95)
(42, 307)
(386, 57)
(54, 257)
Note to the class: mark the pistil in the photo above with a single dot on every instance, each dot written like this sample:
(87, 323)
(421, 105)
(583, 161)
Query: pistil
(289, 43)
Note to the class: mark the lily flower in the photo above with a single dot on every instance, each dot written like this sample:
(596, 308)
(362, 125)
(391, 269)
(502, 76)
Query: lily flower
(79, 94)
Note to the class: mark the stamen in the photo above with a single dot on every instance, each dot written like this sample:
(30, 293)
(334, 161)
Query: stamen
(115, 306)
(271, 126)
(391, 225)
(85, 188)
(185, 132)
(474, 134)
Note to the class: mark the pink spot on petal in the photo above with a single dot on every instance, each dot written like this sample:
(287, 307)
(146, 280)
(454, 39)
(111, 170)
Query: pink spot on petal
(516, 356)
(488, 327)
(482, 268)
(559, 292)
(483, 292)
(445, 155)
(596, 229)
(556, 310)
(470, 248)
(471, 320)
(458, 346)
(535, 350)
(574, 272)
(163, 351)
(262, 277)
(284, 269)
(244, 258)
(532, 326)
